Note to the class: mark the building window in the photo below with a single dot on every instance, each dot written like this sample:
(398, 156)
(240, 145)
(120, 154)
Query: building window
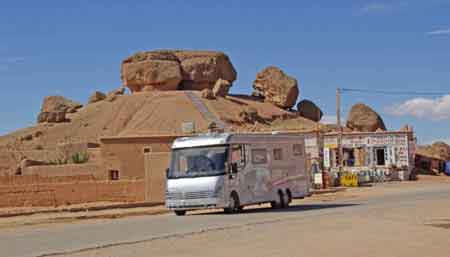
(114, 175)
(297, 149)
(147, 149)
(278, 154)
(259, 156)
(349, 157)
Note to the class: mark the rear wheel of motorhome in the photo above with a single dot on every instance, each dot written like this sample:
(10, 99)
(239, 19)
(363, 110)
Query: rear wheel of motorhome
(180, 213)
(235, 205)
(281, 201)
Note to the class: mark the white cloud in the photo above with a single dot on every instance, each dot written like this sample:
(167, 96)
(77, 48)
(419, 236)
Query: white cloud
(439, 32)
(424, 108)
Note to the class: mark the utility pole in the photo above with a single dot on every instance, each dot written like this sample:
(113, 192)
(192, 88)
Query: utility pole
(339, 127)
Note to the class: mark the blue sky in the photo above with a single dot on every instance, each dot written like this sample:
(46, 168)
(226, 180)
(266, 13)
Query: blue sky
(74, 47)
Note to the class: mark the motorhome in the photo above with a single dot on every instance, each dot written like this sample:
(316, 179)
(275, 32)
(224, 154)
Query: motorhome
(231, 171)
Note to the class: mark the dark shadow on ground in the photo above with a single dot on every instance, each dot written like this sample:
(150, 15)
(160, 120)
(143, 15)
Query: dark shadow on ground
(294, 208)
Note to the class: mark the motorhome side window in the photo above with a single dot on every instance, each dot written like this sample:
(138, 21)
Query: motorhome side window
(297, 150)
(238, 155)
(259, 156)
(278, 154)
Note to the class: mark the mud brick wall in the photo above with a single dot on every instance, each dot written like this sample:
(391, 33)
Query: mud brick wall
(36, 191)
(89, 169)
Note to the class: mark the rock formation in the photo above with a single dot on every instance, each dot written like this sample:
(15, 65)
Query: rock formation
(111, 96)
(309, 110)
(441, 149)
(175, 69)
(54, 109)
(97, 96)
(221, 88)
(365, 119)
(276, 87)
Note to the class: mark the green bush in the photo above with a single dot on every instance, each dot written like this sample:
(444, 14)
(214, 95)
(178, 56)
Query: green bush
(80, 157)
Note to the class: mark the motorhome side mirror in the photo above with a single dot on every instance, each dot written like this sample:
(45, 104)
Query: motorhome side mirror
(167, 173)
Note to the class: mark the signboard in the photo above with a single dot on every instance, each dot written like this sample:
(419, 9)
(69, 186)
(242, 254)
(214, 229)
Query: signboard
(326, 157)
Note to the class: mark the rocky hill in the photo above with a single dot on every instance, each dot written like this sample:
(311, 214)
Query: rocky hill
(170, 88)
(149, 113)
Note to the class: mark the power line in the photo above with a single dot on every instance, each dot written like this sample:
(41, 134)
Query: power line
(385, 92)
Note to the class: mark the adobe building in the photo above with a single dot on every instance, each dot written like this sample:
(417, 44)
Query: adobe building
(140, 158)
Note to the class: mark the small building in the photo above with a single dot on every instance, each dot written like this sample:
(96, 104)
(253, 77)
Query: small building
(429, 164)
(387, 155)
(138, 158)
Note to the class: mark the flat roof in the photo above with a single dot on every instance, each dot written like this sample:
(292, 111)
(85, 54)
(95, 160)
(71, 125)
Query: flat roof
(358, 133)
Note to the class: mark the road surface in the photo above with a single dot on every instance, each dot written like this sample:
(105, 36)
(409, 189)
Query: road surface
(401, 219)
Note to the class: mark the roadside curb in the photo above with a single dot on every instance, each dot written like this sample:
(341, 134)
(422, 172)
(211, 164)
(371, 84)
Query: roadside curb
(82, 209)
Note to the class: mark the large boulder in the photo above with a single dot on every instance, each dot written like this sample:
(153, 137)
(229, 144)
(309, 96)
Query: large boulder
(365, 119)
(441, 149)
(276, 87)
(58, 104)
(54, 109)
(175, 69)
(309, 110)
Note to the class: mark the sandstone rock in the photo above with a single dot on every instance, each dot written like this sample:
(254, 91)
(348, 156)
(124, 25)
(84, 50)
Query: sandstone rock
(365, 119)
(97, 96)
(221, 88)
(27, 137)
(276, 87)
(38, 134)
(251, 115)
(59, 104)
(119, 91)
(207, 94)
(56, 117)
(441, 149)
(42, 117)
(111, 96)
(174, 69)
(309, 110)
(54, 109)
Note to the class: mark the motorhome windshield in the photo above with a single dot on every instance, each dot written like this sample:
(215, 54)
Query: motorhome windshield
(198, 162)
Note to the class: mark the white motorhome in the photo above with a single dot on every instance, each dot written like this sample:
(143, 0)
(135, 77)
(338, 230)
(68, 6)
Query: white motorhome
(231, 171)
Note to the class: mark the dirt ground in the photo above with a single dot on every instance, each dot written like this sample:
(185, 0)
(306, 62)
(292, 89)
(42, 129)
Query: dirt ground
(392, 219)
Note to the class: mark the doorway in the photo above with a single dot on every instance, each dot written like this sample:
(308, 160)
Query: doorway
(381, 156)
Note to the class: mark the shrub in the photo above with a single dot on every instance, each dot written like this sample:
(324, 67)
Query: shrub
(80, 157)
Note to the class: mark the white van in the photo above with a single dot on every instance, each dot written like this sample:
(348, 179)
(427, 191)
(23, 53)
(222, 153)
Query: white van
(231, 171)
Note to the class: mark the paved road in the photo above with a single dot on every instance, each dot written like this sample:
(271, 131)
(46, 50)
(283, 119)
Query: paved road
(401, 208)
